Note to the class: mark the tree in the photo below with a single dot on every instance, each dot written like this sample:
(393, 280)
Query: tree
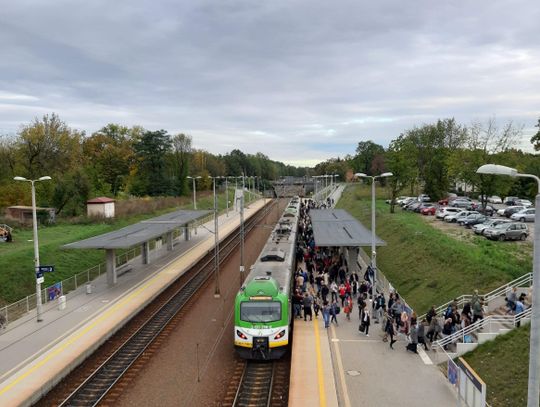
(110, 155)
(150, 176)
(399, 162)
(48, 147)
(181, 145)
(535, 140)
(366, 151)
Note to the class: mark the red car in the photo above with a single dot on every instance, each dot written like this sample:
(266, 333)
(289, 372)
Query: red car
(428, 211)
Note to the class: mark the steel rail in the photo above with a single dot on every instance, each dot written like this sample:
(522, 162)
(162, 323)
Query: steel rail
(103, 379)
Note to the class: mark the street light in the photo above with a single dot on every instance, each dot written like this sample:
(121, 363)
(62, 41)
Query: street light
(534, 350)
(216, 241)
(194, 191)
(373, 249)
(36, 244)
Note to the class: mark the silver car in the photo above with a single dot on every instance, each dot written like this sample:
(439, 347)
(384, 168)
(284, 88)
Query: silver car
(508, 231)
(481, 227)
(456, 217)
(444, 211)
(494, 199)
(524, 215)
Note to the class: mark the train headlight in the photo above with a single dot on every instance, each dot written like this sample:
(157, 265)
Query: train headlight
(280, 335)
(241, 335)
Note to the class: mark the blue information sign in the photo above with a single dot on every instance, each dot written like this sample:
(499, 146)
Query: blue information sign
(45, 269)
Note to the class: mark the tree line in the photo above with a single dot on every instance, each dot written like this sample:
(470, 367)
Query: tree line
(442, 157)
(115, 161)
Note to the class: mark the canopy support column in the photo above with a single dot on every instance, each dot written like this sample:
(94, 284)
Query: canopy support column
(110, 266)
(186, 233)
(145, 253)
(169, 241)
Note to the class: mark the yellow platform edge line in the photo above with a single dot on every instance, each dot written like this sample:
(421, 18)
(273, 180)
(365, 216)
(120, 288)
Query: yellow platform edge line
(320, 375)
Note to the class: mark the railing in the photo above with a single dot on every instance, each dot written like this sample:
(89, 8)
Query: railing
(16, 310)
(498, 292)
(483, 323)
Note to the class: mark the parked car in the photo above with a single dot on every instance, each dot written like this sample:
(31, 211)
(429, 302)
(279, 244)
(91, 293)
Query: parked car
(508, 231)
(456, 217)
(512, 209)
(445, 211)
(500, 212)
(509, 200)
(461, 203)
(428, 209)
(479, 228)
(407, 201)
(488, 210)
(423, 198)
(523, 202)
(412, 206)
(400, 199)
(448, 199)
(524, 215)
(472, 220)
(494, 199)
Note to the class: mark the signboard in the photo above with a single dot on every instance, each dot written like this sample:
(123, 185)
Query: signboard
(39, 274)
(45, 269)
(471, 387)
(40, 280)
(54, 291)
(453, 373)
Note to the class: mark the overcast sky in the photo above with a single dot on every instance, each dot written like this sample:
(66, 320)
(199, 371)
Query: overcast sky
(300, 81)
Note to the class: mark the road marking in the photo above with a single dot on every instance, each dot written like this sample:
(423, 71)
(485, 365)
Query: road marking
(423, 355)
(320, 376)
(344, 390)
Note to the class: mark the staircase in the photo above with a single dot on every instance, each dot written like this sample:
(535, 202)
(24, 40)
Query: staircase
(495, 321)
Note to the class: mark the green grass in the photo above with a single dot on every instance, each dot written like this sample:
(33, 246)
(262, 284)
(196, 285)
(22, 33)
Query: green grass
(504, 365)
(427, 266)
(17, 278)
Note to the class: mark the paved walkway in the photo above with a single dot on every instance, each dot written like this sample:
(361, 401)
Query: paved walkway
(29, 350)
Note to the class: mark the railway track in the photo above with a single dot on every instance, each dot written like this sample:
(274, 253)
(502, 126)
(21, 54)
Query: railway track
(103, 379)
(259, 384)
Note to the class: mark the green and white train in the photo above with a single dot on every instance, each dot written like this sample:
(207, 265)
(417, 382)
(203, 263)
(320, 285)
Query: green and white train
(263, 310)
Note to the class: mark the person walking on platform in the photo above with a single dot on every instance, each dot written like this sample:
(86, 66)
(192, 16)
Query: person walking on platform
(334, 291)
(316, 305)
(334, 310)
(326, 314)
(421, 333)
(307, 302)
(366, 320)
(389, 329)
(324, 293)
(348, 307)
(414, 339)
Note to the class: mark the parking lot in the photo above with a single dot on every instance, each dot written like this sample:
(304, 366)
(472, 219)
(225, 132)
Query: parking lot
(467, 234)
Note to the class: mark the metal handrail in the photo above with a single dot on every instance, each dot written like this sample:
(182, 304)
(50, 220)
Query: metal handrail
(481, 323)
(463, 299)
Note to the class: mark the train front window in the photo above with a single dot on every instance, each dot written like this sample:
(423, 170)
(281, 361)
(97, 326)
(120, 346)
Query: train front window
(260, 311)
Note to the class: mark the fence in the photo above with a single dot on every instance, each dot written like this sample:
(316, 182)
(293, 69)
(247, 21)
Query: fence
(16, 310)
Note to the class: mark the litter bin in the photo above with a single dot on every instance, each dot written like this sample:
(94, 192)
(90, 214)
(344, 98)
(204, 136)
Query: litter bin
(88, 288)
(62, 302)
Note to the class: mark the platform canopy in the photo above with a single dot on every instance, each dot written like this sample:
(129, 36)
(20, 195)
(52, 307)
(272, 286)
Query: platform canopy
(139, 233)
(337, 228)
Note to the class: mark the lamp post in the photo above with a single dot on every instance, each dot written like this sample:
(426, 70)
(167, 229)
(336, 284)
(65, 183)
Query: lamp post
(217, 293)
(36, 243)
(194, 191)
(227, 193)
(373, 247)
(534, 349)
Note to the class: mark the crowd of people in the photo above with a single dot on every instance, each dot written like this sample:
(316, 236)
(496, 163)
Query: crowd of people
(325, 285)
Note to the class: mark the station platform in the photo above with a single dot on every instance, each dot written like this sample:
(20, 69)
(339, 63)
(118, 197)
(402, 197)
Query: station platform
(37, 355)
(341, 366)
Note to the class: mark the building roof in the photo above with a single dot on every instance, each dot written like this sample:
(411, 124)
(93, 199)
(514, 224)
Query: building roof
(139, 233)
(100, 200)
(338, 228)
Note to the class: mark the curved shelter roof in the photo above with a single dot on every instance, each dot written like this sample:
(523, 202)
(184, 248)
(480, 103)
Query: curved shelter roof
(139, 233)
(337, 227)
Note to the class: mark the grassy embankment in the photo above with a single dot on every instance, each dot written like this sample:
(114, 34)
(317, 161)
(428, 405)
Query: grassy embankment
(17, 279)
(429, 267)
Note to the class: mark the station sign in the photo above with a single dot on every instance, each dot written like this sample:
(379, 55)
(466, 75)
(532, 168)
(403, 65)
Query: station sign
(45, 269)
(40, 280)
